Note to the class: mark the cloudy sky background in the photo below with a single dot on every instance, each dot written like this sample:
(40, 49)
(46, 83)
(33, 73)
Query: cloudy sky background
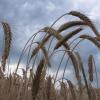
(28, 16)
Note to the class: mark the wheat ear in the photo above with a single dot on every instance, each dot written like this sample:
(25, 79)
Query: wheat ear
(8, 39)
(86, 20)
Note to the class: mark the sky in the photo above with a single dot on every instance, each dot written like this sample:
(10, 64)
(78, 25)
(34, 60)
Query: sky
(28, 16)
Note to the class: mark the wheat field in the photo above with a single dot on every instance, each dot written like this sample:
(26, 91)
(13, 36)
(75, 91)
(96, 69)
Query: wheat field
(40, 86)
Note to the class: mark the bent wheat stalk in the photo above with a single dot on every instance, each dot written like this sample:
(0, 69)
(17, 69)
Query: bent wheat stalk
(70, 24)
(92, 39)
(25, 47)
(66, 26)
(68, 36)
(86, 20)
(59, 37)
(53, 32)
(45, 53)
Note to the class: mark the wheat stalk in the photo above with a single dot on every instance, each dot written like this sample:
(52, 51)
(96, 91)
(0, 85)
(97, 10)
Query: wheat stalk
(63, 91)
(90, 65)
(8, 39)
(71, 89)
(86, 20)
(45, 53)
(68, 36)
(36, 80)
(92, 39)
(83, 73)
(59, 37)
(69, 25)
(48, 87)
(53, 32)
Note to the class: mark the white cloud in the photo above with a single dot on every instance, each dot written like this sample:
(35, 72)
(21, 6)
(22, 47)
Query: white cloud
(94, 14)
(34, 14)
(60, 74)
(90, 7)
(51, 6)
(12, 67)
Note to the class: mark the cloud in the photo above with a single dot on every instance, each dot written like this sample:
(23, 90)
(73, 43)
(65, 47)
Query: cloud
(27, 17)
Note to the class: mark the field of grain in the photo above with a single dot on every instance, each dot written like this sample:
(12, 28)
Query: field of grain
(37, 85)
